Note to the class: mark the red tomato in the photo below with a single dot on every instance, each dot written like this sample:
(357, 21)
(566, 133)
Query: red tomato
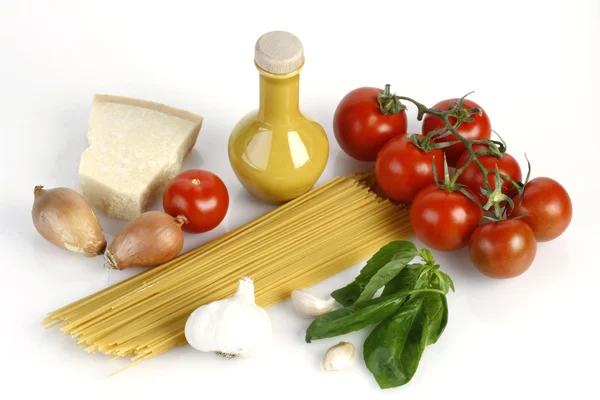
(200, 196)
(549, 206)
(473, 178)
(444, 220)
(503, 249)
(402, 169)
(361, 129)
(479, 129)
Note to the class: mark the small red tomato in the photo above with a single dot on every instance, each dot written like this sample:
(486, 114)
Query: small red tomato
(361, 128)
(549, 207)
(444, 220)
(503, 249)
(479, 129)
(200, 196)
(473, 178)
(402, 169)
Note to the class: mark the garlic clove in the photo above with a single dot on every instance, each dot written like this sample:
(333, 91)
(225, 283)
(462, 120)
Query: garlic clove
(340, 356)
(309, 305)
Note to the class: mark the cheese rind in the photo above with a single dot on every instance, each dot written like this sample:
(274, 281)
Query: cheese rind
(136, 148)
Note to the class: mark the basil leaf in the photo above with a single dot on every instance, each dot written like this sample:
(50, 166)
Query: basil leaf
(446, 279)
(427, 256)
(354, 318)
(381, 277)
(435, 282)
(393, 349)
(400, 251)
(411, 277)
(436, 308)
(441, 281)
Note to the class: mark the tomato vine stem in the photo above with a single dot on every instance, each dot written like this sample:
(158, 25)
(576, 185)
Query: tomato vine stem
(495, 197)
(389, 103)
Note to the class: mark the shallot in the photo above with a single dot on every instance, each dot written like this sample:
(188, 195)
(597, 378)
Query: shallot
(152, 238)
(64, 218)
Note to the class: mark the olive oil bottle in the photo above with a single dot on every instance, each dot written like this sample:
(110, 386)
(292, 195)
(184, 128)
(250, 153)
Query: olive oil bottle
(276, 152)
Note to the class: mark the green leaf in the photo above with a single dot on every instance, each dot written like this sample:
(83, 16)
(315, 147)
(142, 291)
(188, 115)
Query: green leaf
(436, 281)
(393, 349)
(446, 280)
(411, 277)
(381, 277)
(401, 251)
(436, 308)
(354, 318)
(427, 256)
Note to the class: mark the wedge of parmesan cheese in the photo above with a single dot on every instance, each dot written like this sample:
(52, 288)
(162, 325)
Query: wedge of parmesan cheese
(136, 149)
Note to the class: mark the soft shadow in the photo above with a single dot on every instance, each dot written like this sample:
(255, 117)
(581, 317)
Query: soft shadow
(344, 165)
(247, 208)
(195, 240)
(458, 265)
(194, 160)
(110, 226)
(72, 122)
(17, 212)
(66, 266)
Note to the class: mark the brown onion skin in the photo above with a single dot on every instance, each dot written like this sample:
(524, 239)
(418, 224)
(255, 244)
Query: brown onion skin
(65, 218)
(151, 239)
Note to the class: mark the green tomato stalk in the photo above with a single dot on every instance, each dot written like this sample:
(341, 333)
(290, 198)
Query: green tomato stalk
(495, 197)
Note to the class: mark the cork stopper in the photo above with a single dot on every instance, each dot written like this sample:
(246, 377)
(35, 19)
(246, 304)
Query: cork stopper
(279, 52)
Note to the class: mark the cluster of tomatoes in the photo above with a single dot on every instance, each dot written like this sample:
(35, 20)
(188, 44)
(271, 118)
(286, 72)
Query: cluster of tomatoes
(464, 189)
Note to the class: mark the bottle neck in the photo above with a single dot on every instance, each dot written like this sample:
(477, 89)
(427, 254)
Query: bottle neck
(279, 97)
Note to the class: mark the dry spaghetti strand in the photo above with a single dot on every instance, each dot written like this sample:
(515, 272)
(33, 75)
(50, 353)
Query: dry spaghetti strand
(296, 245)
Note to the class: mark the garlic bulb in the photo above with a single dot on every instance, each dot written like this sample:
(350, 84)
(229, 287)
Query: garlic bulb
(340, 356)
(234, 327)
(64, 218)
(309, 305)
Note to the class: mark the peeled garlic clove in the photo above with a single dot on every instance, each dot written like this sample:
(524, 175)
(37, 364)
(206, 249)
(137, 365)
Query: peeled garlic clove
(309, 305)
(152, 238)
(340, 356)
(64, 218)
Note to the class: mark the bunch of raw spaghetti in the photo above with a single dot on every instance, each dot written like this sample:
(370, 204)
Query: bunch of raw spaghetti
(296, 245)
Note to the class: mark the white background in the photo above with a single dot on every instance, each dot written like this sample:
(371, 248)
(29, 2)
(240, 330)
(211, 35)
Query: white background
(534, 66)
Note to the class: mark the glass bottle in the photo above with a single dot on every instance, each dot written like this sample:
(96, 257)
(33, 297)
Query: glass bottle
(276, 152)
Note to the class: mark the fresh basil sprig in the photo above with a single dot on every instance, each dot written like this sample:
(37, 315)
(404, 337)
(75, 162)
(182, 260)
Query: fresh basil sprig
(380, 269)
(411, 313)
(354, 318)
